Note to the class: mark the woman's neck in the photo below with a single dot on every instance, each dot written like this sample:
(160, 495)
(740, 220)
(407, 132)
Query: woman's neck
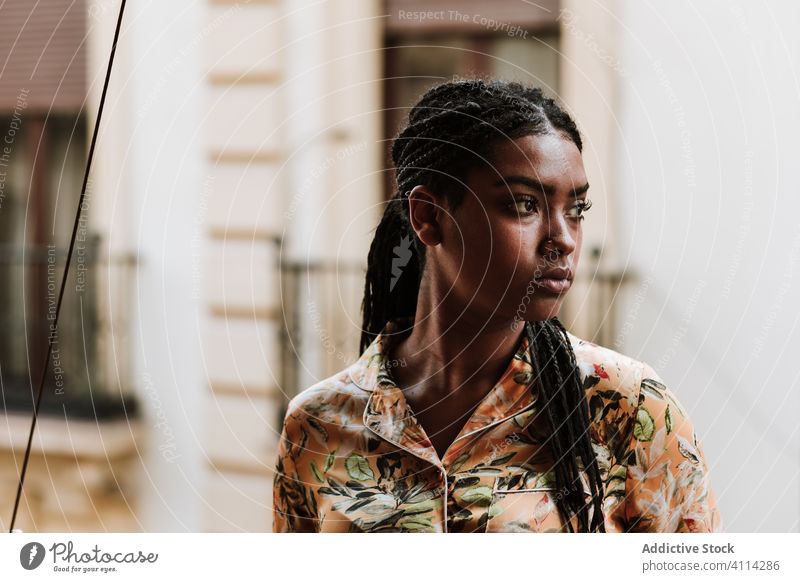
(447, 352)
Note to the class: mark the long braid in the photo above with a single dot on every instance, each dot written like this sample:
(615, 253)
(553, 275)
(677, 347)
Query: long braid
(555, 441)
(567, 411)
(569, 444)
(581, 408)
(451, 129)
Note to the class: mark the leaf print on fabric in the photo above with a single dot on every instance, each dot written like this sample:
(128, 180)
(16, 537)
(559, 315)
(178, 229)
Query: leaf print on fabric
(590, 381)
(675, 404)
(653, 388)
(596, 405)
(303, 439)
(329, 461)
(415, 523)
(388, 465)
(478, 495)
(319, 432)
(484, 470)
(459, 462)
(350, 505)
(387, 522)
(317, 475)
(668, 420)
(415, 493)
(422, 506)
(687, 450)
(643, 429)
(510, 483)
(467, 482)
(519, 476)
(615, 485)
(337, 487)
(523, 377)
(611, 395)
(358, 468)
(380, 505)
(352, 484)
(503, 460)
(377, 503)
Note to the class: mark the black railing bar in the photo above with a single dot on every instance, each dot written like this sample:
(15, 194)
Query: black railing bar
(10, 254)
(322, 266)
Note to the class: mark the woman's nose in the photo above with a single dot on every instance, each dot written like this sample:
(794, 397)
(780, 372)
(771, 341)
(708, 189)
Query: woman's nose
(556, 236)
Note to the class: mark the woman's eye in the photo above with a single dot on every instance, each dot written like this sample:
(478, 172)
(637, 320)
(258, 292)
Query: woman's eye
(524, 205)
(527, 205)
(579, 209)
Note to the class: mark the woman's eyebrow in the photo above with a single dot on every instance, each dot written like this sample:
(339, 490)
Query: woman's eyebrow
(547, 189)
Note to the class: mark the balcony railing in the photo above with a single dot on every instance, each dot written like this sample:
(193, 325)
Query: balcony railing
(321, 328)
(89, 370)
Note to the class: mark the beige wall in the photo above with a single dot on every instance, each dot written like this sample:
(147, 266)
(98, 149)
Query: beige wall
(291, 141)
(589, 79)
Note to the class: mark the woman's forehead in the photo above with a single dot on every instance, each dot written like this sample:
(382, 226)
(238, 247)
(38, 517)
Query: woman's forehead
(548, 158)
(544, 149)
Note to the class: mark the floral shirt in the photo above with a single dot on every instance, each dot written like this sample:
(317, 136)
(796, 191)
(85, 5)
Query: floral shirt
(353, 458)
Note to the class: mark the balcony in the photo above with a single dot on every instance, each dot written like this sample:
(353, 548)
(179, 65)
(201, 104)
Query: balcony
(80, 474)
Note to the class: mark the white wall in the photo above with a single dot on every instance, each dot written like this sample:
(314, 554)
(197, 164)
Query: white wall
(707, 148)
(164, 159)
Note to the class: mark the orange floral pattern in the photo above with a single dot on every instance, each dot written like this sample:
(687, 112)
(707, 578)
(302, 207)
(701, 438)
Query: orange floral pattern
(353, 458)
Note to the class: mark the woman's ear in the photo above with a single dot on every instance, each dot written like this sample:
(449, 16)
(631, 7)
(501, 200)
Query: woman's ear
(425, 214)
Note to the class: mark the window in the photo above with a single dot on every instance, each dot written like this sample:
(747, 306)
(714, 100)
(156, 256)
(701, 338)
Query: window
(43, 148)
(504, 39)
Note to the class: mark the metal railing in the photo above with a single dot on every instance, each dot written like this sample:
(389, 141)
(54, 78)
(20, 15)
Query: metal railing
(89, 372)
(320, 303)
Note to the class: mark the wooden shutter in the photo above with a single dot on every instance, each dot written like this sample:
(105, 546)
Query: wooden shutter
(42, 54)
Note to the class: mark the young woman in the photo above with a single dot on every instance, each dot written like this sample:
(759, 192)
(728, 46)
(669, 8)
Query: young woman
(471, 408)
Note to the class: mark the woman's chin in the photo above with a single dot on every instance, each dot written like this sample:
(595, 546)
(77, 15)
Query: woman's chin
(542, 311)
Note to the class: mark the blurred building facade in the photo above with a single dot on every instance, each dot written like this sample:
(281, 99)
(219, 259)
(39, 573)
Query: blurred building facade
(240, 172)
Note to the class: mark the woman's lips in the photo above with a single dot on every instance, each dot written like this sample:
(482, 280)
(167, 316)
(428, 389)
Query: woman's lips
(553, 285)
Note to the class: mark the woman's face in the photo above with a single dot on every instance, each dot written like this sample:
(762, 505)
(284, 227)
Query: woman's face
(518, 226)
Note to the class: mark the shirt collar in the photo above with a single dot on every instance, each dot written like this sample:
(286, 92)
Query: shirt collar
(387, 412)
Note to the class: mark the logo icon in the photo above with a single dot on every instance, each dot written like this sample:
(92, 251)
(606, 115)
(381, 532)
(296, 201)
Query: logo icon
(31, 555)
(402, 254)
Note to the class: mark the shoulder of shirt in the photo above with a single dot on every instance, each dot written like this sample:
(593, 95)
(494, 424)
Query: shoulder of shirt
(608, 369)
(331, 399)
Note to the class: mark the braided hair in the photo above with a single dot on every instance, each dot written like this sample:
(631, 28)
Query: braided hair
(452, 128)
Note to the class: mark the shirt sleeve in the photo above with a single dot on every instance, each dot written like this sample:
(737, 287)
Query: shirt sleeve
(667, 482)
(294, 504)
